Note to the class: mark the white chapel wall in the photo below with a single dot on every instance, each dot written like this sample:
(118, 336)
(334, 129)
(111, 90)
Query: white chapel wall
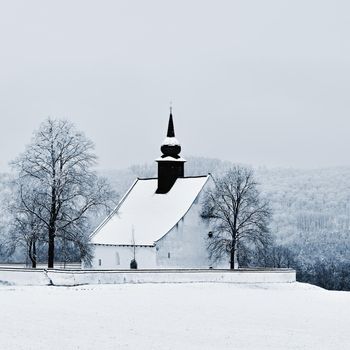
(119, 257)
(186, 244)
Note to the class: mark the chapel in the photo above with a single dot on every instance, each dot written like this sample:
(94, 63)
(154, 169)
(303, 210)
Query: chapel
(157, 223)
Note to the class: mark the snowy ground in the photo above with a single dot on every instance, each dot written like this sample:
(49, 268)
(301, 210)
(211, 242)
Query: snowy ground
(174, 316)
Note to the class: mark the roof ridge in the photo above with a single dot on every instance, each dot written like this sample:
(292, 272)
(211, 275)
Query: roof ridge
(184, 177)
(194, 176)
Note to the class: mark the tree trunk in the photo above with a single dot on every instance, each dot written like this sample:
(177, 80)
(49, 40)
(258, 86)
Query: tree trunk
(33, 257)
(233, 257)
(52, 224)
(32, 253)
(51, 248)
(232, 260)
(235, 260)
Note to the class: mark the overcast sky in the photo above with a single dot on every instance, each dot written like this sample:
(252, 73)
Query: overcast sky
(259, 82)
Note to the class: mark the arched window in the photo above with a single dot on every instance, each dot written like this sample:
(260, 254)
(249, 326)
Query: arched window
(117, 258)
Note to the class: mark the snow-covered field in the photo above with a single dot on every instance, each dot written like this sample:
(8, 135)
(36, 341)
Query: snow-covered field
(174, 316)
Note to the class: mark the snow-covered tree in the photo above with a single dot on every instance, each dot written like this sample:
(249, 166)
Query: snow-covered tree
(25, 228)
(239, 214)
(65, 189)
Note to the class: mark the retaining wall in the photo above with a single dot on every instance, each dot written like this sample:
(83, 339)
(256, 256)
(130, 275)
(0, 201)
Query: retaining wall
(79, 277)
(23, 277)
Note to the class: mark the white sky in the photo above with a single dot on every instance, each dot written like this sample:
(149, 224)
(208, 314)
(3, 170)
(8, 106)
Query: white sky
(259, 82)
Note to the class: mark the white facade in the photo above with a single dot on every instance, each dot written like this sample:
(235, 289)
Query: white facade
(167, 229)
(185, 245)
(119, 257)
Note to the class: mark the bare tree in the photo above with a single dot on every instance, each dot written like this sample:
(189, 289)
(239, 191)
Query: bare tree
(25, 229)
(239, 214)
(58, 164)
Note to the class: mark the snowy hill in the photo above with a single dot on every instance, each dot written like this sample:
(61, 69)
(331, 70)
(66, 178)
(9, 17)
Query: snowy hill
(175, 316)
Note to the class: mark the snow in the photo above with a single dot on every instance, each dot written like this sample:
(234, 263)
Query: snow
(170, 159)
(171, 141)
(148, 214)
(174, 316)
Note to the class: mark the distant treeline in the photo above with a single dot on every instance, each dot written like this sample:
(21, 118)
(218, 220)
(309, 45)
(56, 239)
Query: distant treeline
(311, 217)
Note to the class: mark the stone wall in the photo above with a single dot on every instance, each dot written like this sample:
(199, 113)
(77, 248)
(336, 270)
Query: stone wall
(80, 277)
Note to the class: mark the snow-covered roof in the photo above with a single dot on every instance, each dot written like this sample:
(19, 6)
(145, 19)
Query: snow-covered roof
(171, 159)
(148, 214)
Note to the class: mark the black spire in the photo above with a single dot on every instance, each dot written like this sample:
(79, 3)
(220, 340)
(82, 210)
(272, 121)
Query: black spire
(171, 131)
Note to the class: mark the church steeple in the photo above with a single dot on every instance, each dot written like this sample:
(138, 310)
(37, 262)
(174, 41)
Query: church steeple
(171, 146)
(170, 164)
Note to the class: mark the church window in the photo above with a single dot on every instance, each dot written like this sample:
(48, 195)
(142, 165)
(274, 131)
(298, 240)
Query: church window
(169, 255)
(99, 262)
(117, 258)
